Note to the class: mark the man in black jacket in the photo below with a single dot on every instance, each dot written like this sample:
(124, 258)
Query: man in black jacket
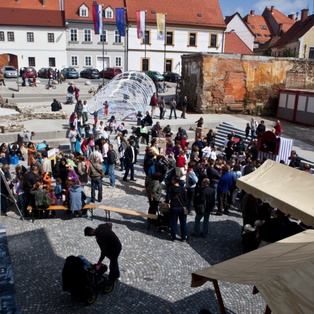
(111, 162)
(109, 245)
(129, 161)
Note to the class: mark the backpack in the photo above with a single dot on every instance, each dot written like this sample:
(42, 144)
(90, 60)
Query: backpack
(46, 200)
(116, 158)
(151, 170)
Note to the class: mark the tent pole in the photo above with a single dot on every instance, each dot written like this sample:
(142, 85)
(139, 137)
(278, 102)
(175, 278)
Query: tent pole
(219, 297)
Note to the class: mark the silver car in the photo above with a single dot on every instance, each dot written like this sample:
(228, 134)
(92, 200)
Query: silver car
(9, 71)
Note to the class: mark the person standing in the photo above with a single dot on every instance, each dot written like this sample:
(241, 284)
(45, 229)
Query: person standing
(110, 246)
(129, 161)
(176, 196)
(191, 181)
(106, 108)
(162, 107)
(223, 188)
(173, 106)
(111, 162)
(85, 112)
(204, 203)
(184, 107)
(96, 173)
(278, 128)
(253, 126)
(153, 104)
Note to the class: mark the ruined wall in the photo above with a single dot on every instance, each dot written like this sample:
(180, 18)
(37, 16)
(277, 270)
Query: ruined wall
(225, 82)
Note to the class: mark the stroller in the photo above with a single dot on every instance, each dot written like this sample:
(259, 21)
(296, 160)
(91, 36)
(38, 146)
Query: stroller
(163, 220)
(69, 99)
(83, 281)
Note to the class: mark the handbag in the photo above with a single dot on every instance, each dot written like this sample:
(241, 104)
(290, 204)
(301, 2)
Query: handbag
(185, 210)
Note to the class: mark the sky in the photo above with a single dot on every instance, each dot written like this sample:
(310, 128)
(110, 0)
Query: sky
(229, 7)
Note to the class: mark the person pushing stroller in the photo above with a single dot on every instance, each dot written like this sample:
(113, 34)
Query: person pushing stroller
(109, 245)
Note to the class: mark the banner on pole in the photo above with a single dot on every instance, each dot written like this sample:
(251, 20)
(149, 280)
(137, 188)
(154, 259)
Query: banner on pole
(97, 18)
(161, 21)
(120, 21)
(140, 24)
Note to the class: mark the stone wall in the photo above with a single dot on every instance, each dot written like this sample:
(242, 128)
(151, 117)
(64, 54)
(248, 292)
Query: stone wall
(225, 82)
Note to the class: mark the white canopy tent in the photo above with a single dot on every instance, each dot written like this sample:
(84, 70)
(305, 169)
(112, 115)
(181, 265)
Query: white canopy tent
(283, 272)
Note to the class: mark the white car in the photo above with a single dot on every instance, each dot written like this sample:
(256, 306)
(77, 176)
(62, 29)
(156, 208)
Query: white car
(9, 71)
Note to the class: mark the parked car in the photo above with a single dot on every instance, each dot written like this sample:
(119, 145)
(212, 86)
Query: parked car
(29, 72)
(172, 77)
(9, 71)
(155, 76)
(90, 73)
(44, 72)
(110, 72)
(70, 73)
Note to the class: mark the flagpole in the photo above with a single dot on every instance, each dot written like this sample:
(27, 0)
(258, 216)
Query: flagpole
(126, 43)
(145, 44)
(103, 47)
(165, 46)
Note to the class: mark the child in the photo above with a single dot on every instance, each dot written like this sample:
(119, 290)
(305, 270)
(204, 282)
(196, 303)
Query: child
(58, 191)
(247, 130)
(51, 194)
(47, 180)
(39, 193)
(139, 117)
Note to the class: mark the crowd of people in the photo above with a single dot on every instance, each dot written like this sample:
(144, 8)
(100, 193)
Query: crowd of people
(188, 177)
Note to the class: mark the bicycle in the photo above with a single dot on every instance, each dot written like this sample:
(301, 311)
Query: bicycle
(162, 88)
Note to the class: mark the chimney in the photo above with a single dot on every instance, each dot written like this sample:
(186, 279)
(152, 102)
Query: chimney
(279, 29)
(272, 8)
(43, 2)
(17, 1)
(252, 12)
(304, 14)
(291, 16)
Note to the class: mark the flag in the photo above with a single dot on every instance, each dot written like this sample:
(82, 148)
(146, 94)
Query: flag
(140, 24)
(120, 21)
(161, 20)
(97, 18)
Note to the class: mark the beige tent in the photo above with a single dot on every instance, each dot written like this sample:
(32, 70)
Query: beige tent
(283, 272)
(283, 187)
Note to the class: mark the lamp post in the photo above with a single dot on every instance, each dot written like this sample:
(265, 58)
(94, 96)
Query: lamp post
(165, 46)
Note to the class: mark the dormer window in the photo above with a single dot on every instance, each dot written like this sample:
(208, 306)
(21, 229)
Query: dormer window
(108, 13)
(83, 11)
(263, 27)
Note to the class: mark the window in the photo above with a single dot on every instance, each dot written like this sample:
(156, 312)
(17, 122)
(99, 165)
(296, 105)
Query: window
(253, 26)
(169, 40)
(30, 37)
(192, 40)
(168, 65)
(51, 37)
(10, 36)
(118, 62)
(74, 61)
(88, 61)
(263, 27)
(117, 37)
(145, 64)
(73, 34)
(1, 36)
(311, 53)
(108, 13)
(103, 37)
(146, 40)
(87, 35)
(52, 62)
(31, 62)
(213, 40)
(83, 11)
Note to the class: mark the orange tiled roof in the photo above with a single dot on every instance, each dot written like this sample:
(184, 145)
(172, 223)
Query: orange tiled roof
(72, 9)
(180, 12)
(233, 44)
(259, 27)
(30, 4)
(280, 18)
(31, 17)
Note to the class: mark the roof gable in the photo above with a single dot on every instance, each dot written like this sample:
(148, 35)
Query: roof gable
(233, 44)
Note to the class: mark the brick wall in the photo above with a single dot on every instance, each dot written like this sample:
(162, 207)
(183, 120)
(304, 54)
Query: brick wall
(220, 82)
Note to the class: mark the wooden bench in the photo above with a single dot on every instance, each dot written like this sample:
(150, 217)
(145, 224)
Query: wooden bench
(109, 209)
(90, 207)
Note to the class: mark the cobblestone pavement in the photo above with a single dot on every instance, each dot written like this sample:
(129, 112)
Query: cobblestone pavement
(155, 272)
